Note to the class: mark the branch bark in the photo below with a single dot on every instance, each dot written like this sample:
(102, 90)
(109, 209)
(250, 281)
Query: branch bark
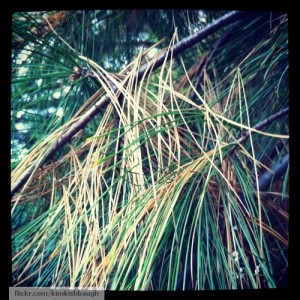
(197, 37)
(216, 46)
(259, 126)
(94, 110)
(277, 170)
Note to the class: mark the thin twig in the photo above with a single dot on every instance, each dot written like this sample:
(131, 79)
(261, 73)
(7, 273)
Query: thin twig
(259, 126)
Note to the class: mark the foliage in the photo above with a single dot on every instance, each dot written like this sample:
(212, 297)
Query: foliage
(161, 189)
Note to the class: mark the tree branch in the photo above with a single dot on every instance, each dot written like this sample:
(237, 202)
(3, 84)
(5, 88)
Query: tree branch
(277, 168)
(196, 37)
(94, 110)
(275, 172)
(259, 126)
(216, 46)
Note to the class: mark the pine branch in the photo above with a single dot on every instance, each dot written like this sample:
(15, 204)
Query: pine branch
(259, 126)
(195, 38)
(277, 169)
(94, 110)
(216, 46)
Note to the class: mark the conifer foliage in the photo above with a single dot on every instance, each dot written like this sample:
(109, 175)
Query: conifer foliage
(150, 149)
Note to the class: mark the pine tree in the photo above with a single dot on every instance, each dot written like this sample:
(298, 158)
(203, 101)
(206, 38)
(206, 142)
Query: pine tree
(150, 149)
